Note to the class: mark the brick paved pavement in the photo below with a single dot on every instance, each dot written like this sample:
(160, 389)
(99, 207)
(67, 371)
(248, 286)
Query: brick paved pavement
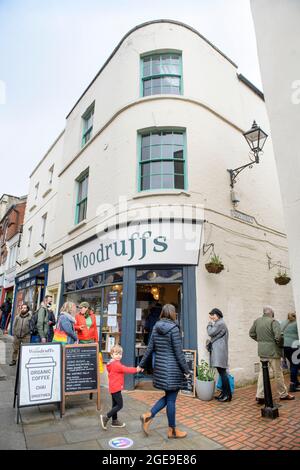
(238, 424)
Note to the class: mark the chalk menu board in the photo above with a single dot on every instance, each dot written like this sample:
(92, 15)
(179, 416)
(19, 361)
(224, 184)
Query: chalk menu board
(189, 384)
(81, 368)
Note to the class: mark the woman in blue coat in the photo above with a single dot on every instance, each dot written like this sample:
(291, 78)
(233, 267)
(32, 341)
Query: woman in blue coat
(170, 368)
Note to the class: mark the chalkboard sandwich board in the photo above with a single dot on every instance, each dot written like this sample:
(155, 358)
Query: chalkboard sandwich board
(188, 388)
(81, 370)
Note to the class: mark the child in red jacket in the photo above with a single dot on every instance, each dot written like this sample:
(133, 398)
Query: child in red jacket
(116, 372)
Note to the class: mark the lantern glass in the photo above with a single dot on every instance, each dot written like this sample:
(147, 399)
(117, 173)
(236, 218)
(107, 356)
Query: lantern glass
(256, 138)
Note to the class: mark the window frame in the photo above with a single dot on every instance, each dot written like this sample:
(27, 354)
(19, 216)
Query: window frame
(87, 131)
(79, 180)
(150, 131)
(51, 173)
(44, 224)
(30, 229)
(160, 75)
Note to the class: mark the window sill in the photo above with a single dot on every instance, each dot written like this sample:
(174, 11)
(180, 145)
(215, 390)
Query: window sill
(159, 192)
(77, 227)
(32, 207)
(47, 192)
(24, 261)
(38, 252)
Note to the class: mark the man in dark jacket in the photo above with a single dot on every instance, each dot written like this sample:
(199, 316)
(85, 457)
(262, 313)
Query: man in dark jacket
(267, 332)
(170, 368)
(43, 319)
(6, 311)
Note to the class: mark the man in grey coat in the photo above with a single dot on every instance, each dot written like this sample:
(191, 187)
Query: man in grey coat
(267, 332)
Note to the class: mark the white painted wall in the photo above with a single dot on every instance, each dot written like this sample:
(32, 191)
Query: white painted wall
(46, 202)
(215, 109)
(278, 42)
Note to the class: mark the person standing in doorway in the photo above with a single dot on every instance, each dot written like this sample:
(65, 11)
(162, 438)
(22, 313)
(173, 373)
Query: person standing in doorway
(290, 345)
(21, 331)
(218, 332)
(267, 332)
(85, 324)
(6, 312)
(170, 368)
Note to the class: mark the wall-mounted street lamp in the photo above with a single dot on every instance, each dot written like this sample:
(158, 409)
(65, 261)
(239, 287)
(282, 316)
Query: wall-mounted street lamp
(256, 139)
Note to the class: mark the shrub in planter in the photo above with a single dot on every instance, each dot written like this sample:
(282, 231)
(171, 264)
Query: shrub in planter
(205, 381)
(214, 265)
(282, 278)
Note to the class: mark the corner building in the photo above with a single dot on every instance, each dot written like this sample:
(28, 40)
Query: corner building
(143, 188)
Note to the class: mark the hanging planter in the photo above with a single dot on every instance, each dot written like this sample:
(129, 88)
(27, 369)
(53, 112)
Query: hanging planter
(282, 278)
(215, 265)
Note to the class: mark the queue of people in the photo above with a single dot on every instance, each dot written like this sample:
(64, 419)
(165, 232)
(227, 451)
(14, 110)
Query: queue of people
(170, 370)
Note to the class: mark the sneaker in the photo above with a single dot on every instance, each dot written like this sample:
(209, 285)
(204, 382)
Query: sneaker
(117, 424)
(13, 363)
(104, 420)
(288, 397)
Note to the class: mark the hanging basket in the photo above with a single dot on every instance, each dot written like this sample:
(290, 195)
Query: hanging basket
(214, 268)
(282, 280)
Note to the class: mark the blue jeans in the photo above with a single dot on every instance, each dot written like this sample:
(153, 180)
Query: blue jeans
(169, 400)
(3, 321)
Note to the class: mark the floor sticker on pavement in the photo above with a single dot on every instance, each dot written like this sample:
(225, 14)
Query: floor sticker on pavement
(120, 443)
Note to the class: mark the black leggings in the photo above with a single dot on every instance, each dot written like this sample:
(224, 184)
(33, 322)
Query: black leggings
(117, 405)
(226, 391)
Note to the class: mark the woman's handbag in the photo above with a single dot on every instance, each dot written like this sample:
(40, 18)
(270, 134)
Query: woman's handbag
(209, 346)
(60, 336)
(231, 383)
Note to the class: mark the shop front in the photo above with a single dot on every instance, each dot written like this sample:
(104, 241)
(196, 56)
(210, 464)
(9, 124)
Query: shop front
(127, 299)
(30, 287)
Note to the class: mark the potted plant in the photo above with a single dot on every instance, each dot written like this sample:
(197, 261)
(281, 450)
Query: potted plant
(205, 381)
(215, 264)
(282, 278)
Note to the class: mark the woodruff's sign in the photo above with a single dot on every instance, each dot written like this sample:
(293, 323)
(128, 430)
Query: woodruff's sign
(137, 245)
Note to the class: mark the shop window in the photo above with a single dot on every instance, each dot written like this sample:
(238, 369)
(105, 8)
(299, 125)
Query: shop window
(82, 192)
(159, 275)
(161, 74)
(87, 124)
(112, 277)
(162, 160)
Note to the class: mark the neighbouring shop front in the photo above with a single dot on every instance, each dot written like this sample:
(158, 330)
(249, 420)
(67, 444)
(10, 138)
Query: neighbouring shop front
(127, 299)
(30, 287)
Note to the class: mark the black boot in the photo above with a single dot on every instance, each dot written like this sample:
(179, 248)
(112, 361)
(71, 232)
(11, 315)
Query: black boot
(225, 398)
(219, 396)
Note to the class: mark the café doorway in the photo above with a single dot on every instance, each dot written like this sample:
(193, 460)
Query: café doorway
(150, 299)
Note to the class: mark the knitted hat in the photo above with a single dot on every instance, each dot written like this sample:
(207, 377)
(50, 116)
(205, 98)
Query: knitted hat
(84, 304)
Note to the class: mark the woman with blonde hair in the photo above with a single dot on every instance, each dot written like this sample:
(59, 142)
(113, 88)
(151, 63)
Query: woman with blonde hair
(65, 330)
(291, 344)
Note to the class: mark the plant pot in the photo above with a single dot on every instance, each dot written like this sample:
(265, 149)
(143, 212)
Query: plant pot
(282, 280)
(205, 390)
(214, 268)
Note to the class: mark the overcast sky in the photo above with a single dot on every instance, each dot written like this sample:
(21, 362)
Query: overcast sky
(51, 49)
